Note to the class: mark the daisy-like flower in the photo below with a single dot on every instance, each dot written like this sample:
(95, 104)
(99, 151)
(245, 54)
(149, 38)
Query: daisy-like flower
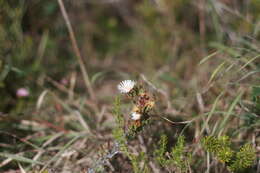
(126, 86)
(135, 116)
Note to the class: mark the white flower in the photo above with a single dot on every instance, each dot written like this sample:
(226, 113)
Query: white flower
(135, 116)
(126, 86)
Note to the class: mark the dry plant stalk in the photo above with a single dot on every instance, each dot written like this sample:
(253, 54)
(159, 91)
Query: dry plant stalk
(76, 50)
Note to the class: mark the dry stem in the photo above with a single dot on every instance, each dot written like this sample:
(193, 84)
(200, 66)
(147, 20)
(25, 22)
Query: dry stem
(76, 50)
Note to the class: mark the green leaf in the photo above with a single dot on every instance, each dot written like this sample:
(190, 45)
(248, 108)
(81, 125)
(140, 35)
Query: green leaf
(229, 113)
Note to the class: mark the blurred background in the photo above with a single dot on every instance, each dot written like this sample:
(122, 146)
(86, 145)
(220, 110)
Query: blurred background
(191, 51)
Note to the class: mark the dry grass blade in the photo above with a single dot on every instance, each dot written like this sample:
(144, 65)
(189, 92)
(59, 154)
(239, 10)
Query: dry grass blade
(205, 124)
(38, 155)
(216, 71)
(40, 99)
(76, 50)
(60, 152)
(5, 162)
(251, 60)
(21, 168)
(82, 121)
(208, 163)
(20, 158)
(182, 122)
(21, 139)
(229, 113)
(247, 75)
(208, 57)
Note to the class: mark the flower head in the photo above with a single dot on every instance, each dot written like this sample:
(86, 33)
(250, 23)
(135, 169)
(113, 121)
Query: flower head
(135, 116)
(22, 92)
(126, 86)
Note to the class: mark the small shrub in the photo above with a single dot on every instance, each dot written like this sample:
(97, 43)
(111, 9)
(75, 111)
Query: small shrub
(221, 148)
(178, 158)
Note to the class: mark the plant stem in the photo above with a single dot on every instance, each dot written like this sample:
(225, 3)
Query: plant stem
(76, 50)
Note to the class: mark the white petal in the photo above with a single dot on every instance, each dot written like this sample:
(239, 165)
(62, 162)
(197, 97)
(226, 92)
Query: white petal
(126, 86)
(135, 116)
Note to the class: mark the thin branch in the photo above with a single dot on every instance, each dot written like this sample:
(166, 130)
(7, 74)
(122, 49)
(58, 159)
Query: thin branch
(172, 122)
(76, 50)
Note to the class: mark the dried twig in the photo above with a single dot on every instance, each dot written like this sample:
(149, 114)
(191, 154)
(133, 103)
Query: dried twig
(172, 122)
(76, 50)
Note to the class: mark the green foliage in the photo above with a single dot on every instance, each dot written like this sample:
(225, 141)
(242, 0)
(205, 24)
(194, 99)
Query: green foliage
(256, 98)
(221, 148)
(244, 158)
(178, 158)
(160, 152)
(118, 132)
(255, 7)
(136, 161)
(117, 113)
(16, 49)
(121, 138)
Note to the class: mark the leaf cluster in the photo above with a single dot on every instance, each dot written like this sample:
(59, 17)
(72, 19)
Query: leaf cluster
(122, 138)
(178, 157)
(221, 148)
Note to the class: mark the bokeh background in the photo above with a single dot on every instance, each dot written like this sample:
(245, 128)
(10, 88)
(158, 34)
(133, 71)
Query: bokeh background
(191, 51)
